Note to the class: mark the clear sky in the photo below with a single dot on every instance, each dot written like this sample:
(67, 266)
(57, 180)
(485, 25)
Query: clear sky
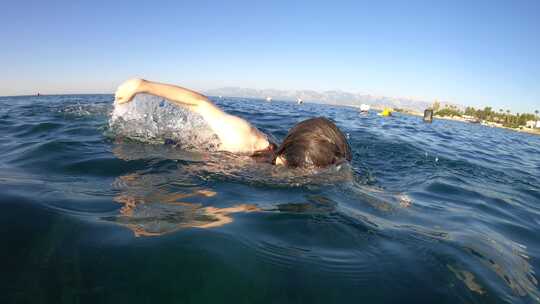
(468, 52)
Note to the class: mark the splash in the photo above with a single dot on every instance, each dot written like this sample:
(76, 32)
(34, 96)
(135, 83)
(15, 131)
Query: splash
(152, 119)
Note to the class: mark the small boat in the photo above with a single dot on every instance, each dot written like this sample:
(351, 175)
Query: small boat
(299, 100)
(268, 98)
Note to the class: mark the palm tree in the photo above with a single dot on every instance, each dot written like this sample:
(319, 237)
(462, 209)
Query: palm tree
(536, 112)
(499, 117)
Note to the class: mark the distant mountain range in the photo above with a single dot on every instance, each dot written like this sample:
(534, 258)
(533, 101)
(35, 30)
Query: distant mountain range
(327, 97)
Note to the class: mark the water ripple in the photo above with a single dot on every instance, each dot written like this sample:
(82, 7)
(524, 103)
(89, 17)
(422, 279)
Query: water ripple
(449, 206)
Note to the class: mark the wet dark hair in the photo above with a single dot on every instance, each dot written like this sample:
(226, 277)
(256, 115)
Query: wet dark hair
(316, 142)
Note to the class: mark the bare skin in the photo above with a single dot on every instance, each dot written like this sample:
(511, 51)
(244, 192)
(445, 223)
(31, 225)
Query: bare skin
(236, 134)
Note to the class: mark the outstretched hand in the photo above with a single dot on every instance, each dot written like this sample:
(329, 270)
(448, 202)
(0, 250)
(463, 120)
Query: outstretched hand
(127, 90)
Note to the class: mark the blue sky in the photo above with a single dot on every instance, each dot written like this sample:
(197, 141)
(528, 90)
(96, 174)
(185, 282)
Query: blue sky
(468, 52)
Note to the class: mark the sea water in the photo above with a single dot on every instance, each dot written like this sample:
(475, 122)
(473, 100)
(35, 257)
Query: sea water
(136, 204)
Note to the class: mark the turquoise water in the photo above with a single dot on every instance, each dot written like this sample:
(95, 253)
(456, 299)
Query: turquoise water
(426, 213)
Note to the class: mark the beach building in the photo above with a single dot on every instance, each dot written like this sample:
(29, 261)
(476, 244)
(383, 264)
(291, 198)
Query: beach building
(533, 124)
(470, 119)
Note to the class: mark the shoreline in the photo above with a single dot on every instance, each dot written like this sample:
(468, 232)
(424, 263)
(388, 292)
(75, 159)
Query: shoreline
(463, 120)
(492, 125)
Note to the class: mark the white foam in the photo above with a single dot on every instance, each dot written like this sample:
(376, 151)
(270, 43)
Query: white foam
(151, 118)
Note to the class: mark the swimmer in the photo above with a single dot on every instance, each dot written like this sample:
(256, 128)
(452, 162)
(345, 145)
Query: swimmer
(316, 142)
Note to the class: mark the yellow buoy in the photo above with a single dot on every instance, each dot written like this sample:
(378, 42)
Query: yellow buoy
(386, 112)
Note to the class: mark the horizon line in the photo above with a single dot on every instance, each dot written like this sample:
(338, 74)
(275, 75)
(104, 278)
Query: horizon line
(284, 90)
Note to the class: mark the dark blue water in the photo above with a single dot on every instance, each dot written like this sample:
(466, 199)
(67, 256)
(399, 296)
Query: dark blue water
(426, 213)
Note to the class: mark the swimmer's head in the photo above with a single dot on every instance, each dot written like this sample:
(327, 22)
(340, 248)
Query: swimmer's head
(316, 142)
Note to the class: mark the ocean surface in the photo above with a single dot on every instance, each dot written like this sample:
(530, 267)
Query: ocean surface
(136, 206)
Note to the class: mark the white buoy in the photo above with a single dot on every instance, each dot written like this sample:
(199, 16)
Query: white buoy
(364, 108)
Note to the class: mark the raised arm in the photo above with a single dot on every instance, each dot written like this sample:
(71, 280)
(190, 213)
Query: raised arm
(236, 134)
(181, 96)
